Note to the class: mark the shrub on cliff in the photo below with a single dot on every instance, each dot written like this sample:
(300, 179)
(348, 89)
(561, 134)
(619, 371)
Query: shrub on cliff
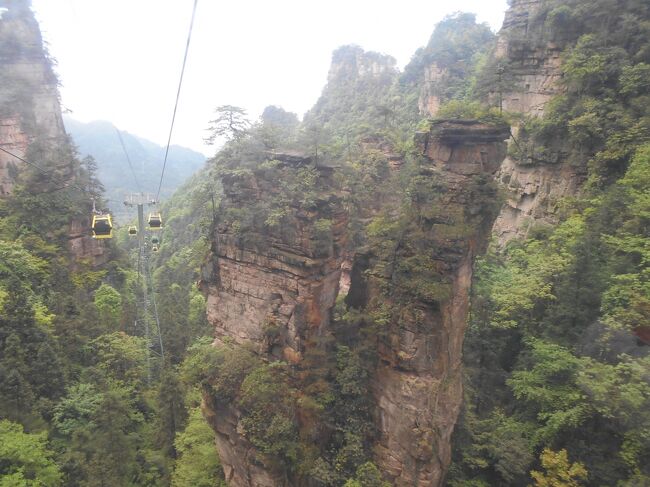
(220, 371)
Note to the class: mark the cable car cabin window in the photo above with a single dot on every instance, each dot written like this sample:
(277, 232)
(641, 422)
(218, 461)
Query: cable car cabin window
(155, 222)
(102, 226)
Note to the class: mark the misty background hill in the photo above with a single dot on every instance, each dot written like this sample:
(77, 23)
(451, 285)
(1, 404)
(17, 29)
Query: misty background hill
(100, 140)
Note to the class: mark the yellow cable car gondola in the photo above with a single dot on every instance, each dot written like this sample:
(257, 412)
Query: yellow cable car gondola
(133, 231)
(155, 221)
(154, 248)
(102, 226)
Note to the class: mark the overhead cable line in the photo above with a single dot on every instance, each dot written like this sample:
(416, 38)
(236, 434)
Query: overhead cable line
(67, 184)
(178, 94)
(44, 171)
(128, 159)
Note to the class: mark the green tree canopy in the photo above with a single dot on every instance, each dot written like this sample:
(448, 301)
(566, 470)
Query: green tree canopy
(25, 460)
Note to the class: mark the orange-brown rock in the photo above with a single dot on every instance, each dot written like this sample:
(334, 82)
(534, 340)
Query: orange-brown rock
(418, 382)
(271, 287)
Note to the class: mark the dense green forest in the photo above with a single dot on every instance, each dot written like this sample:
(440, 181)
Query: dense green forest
(557, 369)
(551, 354)
(84, 398)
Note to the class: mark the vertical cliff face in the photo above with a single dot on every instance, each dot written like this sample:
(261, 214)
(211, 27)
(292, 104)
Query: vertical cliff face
(30, 113)
(429, 100)
(535, 182)
(29, 100)
(272, 288)
(526, 63)
(283, 276)
(533, 61)
(418, 385)
(270, 284)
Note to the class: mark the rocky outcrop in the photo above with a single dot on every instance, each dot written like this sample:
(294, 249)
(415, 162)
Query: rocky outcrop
(29, 100)
(534, 192)
(533, 65)
(418, 382)
(429, 99)
(30, 112)
(271, 286)
(352, 62)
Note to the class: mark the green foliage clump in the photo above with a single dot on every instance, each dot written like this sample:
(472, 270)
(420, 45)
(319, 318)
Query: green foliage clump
(268, 416)
(25, 459)
(219, 371)
(472, 110)
(197, 464)
(554, 316)
(559, 472)
(109, 305)
(368, 475)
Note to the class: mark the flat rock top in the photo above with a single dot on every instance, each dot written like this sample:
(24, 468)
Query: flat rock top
(461, 131)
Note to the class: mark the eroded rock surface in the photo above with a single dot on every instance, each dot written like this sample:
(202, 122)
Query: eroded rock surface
(534, 186)
(534, 65)
(271, 287)
(534, 192)
(418, 383)
(429, 100)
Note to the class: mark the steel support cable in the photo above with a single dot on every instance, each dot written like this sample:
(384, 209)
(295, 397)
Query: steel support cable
(128, 159)
(178, 94)
(44, 171)
(66, 183)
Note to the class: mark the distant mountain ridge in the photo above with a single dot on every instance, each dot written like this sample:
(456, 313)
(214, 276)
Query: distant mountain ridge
(100, 140)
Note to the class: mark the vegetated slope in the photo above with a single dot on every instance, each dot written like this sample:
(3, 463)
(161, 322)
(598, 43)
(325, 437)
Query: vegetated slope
(84, 398)
(557, 350)
(556, 354)
(294, 392)
(187, 219)
(99, 139)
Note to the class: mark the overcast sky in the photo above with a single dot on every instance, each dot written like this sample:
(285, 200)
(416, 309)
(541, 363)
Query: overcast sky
(119, 60)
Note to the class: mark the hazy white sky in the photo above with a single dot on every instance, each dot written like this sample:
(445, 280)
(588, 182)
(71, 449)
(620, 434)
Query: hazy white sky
(119, 60)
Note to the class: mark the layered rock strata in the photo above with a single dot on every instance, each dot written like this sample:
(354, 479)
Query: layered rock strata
(533, 64)
(418, 384)
(271, 287)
